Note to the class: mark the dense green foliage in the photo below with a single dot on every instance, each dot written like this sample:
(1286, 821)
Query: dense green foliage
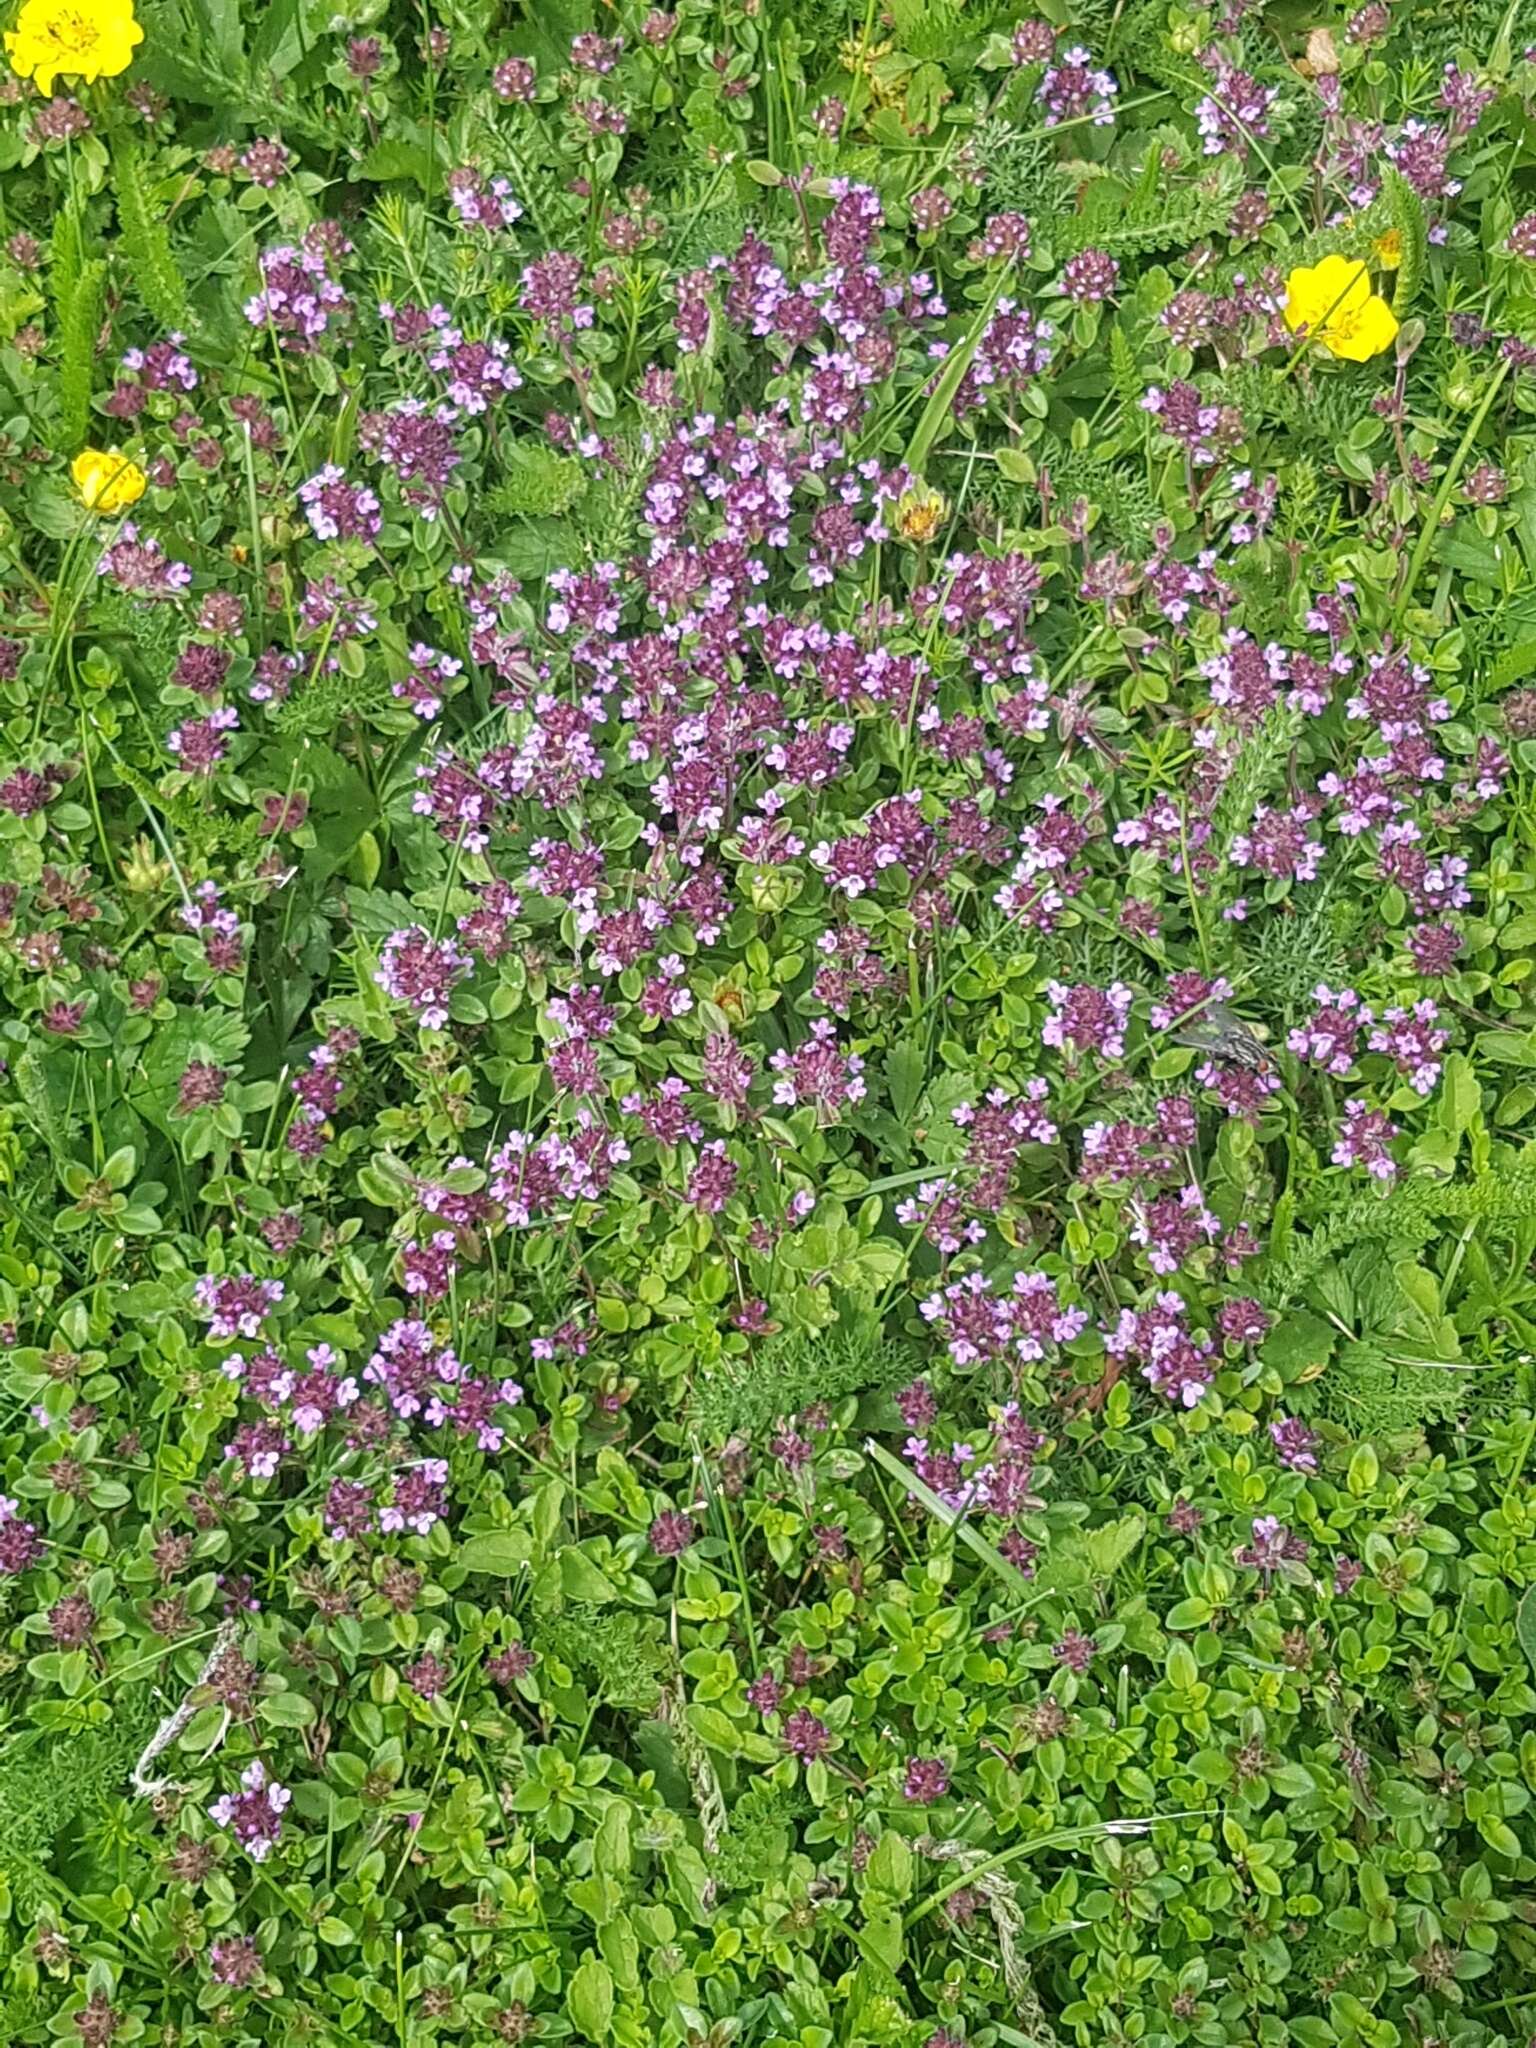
(767, 1068)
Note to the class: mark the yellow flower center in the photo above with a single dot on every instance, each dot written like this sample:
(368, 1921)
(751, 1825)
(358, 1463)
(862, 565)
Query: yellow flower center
(1339, 327)
(73, 31)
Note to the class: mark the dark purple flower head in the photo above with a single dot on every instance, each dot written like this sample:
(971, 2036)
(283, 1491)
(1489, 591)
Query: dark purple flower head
(429, 1676)
(1089, 277)
(1074, 1651)
(672, 1533)
(1272, 1545)
(805, 1736)
(235, 1961)
(99, 2022)
(254, 1814)
(1034, 42)
(1295, 1444)
(510, 1664)
(72, 1621)
(201, 1086)
(764, 1694)
(1073, 89)
(926, 1780)
(515, 80)
(266, 162)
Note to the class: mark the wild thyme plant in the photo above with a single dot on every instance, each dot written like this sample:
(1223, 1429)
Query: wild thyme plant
(767, 1186)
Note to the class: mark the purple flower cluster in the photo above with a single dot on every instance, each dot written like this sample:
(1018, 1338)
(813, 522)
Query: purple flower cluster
(254, 1814)
(300, 299)
(421, 972)
(236, 1304)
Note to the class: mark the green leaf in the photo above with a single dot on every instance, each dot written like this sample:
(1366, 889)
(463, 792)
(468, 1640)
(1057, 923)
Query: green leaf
(580, 1579)
(941, 404)
(1192, 1613)
(1293, 1781)
(1525, 1626)
(52, 510)
(611, 1851)
(1364, 1471)
(284, 38)
(1298, 1341)
(287, 1710)
(397, 156)
(146, 243)
(906, 1074)
(1183, 1670)
(890, 1866)
(1514, 664)
(714, 1728)
(121, 1167)
(500, 1553)
(1407, 211)
(590, 1999)
(1109, 1547)
(79, 333)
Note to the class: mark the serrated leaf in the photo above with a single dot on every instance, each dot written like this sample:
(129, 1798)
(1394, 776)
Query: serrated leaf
(906, 1071)
(397, 156)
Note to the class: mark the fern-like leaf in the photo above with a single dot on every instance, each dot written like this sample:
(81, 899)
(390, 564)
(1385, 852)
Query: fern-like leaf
(539, 483)
(1513, 665)
(65, 256)
(1125, 223)
(747, 1397)
(1409, 1215)
(1124, 501)
(79, 325)
(1258, 768)
(1407, 213)
(146, 243)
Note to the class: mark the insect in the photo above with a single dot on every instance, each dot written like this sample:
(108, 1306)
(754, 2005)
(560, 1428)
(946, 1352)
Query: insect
(1221, 1032)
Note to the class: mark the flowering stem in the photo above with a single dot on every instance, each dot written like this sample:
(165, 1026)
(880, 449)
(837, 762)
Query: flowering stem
(940, 405)
(1191, 891)
(152, 821)
(1058, 1838)
(258, 550)
(1452, 476)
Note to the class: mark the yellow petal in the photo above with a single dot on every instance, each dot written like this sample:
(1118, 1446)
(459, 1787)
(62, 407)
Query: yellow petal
(86, 471)
(1342, 286)
(1317, 294)
(1295, 313)
(106, 480)
(1373, 329)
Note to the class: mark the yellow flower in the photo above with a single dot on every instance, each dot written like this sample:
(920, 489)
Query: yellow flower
(1334, 302)
(1388, 250)
(106, 480)
(919, 514)
(83, 39)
